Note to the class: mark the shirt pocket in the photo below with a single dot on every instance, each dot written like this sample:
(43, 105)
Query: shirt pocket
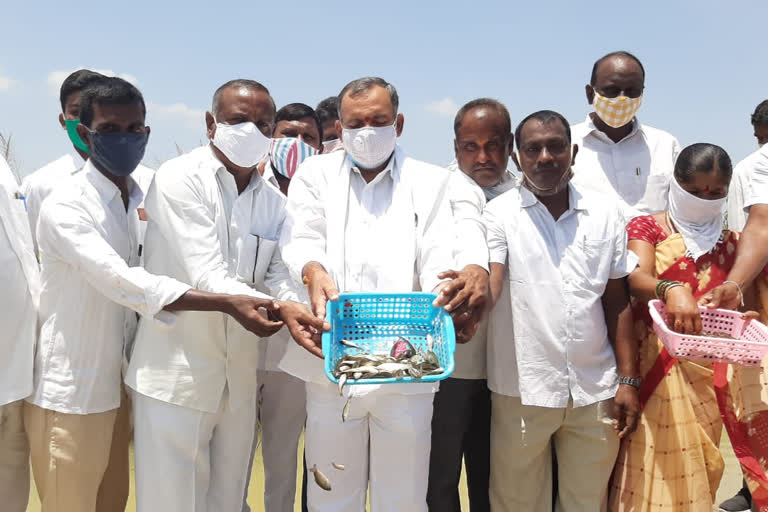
(593, 265)
(254, 258)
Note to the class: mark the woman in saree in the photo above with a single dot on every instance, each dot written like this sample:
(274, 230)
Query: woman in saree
(673, 462)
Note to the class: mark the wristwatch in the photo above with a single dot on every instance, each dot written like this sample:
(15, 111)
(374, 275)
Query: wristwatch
(635, 382)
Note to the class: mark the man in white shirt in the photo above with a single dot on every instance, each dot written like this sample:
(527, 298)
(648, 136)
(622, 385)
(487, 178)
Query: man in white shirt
(740, 187)
(213, 222)
(18, 306)
(39, 185)
(739, 194)
(571, 350)
(621, 157)
(281, 402)
(91, 291)
(461, 422)
(368, 219)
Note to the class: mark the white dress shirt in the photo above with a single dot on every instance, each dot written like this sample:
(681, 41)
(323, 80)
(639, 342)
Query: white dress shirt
(740, 190)
(39, 185)
(202, 232)
(470, 244)
(758, 179)
(636, 170)
(558, 271)
(394, 234)
(91, 286)
(21, 287)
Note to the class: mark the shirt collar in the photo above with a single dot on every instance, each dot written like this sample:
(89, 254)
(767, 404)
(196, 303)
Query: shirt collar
(576, 200)
(217, 166)
(269, 174)
(108, 191)
(594, 130)
(392, 168)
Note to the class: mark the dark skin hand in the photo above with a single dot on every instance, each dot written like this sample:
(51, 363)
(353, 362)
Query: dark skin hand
(615, 76)
(239, 105)
(465, 297)
(751, 259)
(618, 319)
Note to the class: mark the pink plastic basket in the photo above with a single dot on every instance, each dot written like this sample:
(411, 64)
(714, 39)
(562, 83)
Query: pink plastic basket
(749, 346)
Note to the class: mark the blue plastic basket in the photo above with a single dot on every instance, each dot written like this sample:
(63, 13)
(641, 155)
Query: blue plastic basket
(375, 321)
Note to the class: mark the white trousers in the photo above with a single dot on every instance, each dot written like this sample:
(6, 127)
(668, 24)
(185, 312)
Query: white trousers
(282, 411)
(384, 443)
(188, 460)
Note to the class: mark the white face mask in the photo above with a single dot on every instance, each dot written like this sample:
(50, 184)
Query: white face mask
(699, 221)
(242, 143)
(369, 146)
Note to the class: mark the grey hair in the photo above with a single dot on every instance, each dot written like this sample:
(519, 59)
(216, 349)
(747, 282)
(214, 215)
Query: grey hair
(361, 85)
(239, 82)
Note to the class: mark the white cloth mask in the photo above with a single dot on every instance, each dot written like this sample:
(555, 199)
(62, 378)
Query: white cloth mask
(699, 221)
(369, 146)
(242, 143)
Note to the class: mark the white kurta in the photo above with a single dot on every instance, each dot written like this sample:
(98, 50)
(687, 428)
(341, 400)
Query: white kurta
(394, 234)
(91, 287)
(21, 288)
(201, 231)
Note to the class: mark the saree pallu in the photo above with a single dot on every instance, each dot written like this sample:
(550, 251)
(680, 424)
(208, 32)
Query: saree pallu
(672, 462)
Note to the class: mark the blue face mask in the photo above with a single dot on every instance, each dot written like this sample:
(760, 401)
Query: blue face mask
(119, 153)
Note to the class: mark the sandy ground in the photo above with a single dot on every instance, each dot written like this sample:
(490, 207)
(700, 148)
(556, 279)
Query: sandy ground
(730, 483)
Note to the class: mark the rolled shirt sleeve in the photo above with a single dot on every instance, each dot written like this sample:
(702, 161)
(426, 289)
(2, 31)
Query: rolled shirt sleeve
(467, 204)
(758, 188)
(495, 235)
(68, 233)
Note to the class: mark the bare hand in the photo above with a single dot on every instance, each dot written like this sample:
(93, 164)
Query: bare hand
(245, 310)
(626, 410)
(468, 288)
(320, 287)
(306, 328)
(682, 311)
(725, 296)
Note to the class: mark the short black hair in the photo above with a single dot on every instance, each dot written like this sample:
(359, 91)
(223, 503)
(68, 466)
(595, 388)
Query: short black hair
(760, 115)
(328, 109)
(238, 82)
(544, 117)
(702, 157)
(108, 91)
(620, 53)
(361, 85)
(76, 82)
(296, 111)
(485, 103)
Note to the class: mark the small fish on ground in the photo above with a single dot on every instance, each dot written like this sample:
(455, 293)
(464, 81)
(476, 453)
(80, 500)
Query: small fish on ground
(340, 467)
(320, 479)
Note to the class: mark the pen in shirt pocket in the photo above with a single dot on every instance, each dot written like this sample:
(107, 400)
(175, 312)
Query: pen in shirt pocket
(22, 198)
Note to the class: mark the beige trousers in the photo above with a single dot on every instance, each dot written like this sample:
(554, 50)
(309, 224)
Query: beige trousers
(80, 460)
(521, 459)
(14, 458)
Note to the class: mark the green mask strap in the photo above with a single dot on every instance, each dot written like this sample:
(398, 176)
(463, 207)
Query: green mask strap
(74, 136)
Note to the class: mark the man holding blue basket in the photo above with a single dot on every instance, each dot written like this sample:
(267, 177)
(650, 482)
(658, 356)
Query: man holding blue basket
(369, 219)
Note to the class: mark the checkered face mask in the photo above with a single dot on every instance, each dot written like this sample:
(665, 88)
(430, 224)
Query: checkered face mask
(616, 112)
